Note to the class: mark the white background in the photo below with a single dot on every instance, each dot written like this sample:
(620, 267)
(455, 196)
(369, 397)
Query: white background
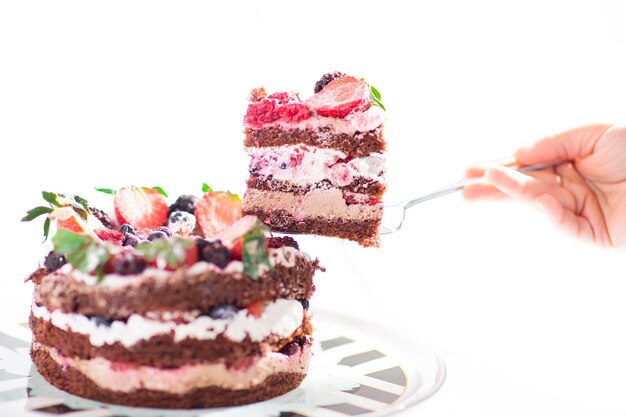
(115, 93)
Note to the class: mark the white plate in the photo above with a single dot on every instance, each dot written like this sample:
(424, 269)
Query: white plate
(360, 367)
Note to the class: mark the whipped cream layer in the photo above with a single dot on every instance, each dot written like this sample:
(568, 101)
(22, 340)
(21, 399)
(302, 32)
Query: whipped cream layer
(365, 121)
(305, 165)
(285, 256)
(280, 318)
(318, 203)
(123, 377)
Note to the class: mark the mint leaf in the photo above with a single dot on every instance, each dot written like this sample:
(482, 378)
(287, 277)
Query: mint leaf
(106, 190)
(254, 253)
(84, 204)
(83, 252)
(160, 191)
(206, 188)
(36, 212)
(67, 242)
(375, 97)
(46, 228)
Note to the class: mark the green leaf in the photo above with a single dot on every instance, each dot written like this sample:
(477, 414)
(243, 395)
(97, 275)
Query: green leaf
(51, 198)
(36, 212)
(254, 253)
(66, 242)
(46, 228)
(375, 96)
(106, 190)
(82, 202)
(83, 252)
(160, 191)
(166, 252)
(82, 213)
(206, 188)
(375, 92)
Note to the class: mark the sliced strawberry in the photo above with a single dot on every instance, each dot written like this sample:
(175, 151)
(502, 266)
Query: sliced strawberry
(341, 97)
(232, 235)
(236, 252)
(216, 211)
(140, 207)
(191, 253)
(71, 223)
(256, 309)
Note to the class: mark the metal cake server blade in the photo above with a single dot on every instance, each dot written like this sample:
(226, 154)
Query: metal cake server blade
(393, 215)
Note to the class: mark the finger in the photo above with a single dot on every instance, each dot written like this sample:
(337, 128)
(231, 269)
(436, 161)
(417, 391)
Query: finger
(566, 146)
(482, 190)
(563, 218)
(478, 169)
(518, 185)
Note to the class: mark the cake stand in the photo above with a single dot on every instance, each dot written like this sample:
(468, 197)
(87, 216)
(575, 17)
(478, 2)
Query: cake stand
(363, 363)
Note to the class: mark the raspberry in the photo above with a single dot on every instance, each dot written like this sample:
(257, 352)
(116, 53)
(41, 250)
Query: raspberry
(326, 78)
(277, 106)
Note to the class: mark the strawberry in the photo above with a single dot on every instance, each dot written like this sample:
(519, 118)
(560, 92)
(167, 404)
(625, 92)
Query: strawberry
(231, 237)
(256, 309)
(236, 251)
(216, 211)
(341, 97)
(140, 207)
(191, 254)
(72, 224)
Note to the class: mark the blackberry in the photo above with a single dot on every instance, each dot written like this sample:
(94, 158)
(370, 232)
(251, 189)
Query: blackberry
(101, 321)
(283, 165)
(164, 230)
(326, 78)
(213, 252)
(127, 229)
(184, 203)
(223, 312)
(128, 264)
(279, 242)
(130, 240)
(290, 348)
(157, 234)
(305, 303)
(53, 261)
(102, 216)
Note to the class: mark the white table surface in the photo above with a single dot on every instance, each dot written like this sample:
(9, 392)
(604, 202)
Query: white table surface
(153, 93)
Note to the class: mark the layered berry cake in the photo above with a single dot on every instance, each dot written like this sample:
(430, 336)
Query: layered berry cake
(317, 165)
(183, 306)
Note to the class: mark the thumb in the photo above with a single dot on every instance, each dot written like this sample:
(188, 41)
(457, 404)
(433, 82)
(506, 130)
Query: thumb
(566, 146)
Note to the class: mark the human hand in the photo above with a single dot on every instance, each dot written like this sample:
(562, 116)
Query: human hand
(585, 195)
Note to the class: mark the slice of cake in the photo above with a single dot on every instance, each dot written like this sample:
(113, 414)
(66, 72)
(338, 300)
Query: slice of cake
(151, 314)
(316, 166)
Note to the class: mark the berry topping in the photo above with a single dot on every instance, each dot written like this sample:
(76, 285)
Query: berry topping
(342, 97)
(326, 78)
(102, 216)
(127, 229)
(140, 207)
(182, 223)
(128, 264)
(165, 230)
(290, 348)
(279, 242)
(213, 252)
(131, 240)
(282, 106)
(184, 203)
(53, 261)
(101, 321)
(112, 236)
(157, 234)
(257, 94)
(216, 211)
(223, 312)
(305, 303)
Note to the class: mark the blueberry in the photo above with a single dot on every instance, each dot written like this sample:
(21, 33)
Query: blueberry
(305, 303)
(157, 234)
(164, 230)
(127, 229)
(101, 321)
(53, 261)
(128, 264)
(254, 170)
(130, 240)
(290, 348)
(283, 165)
(223, 312)
(184, 203)
(213, 252)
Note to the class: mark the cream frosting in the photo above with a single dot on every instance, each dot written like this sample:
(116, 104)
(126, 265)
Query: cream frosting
(280, 318)
(329, 204)
(123, 377)
(305, 165)
(365, 121)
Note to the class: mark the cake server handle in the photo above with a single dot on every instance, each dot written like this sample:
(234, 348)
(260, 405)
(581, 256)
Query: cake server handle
(393, 216)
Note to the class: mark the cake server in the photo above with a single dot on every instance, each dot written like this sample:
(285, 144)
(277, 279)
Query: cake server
(393, 216)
